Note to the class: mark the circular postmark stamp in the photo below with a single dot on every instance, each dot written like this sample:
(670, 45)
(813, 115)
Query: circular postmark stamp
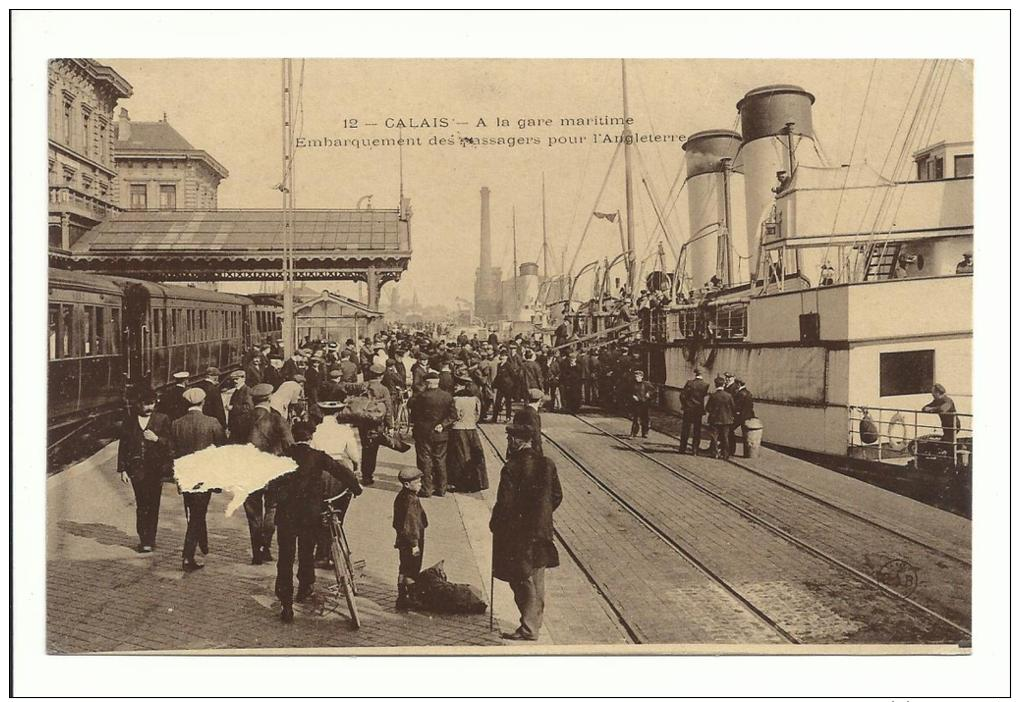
(899, 575)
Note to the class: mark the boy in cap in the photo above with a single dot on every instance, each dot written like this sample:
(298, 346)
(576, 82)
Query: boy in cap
(410, 522)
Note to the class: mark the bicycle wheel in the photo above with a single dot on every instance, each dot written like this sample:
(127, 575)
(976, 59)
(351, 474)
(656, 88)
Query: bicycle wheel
(403, 422)
(345, 548)
(344, 580)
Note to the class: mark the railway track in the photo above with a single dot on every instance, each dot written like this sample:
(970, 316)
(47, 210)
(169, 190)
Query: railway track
(778, 531)
(632, 634)
(814, 498)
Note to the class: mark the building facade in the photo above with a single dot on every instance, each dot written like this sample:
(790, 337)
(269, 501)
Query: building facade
(158, 169)
(82, 97)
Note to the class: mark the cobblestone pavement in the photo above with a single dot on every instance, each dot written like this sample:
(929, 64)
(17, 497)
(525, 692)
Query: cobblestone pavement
(812, 600)
(102, 596)
(929, 576)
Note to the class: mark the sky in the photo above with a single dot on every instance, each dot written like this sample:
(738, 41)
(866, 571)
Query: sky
(232, 109)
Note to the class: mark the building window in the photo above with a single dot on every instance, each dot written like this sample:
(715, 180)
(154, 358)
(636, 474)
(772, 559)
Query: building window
(906, 372)
(86, 132)
(963, 165)
(104, 143)
(138, 197)
(168, 197)
(67, 123)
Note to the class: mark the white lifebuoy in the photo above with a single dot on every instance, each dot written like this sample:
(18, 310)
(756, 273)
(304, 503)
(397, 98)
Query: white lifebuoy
(896, 432)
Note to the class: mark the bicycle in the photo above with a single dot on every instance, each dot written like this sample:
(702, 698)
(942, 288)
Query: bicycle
(402, 422)
(343, 567)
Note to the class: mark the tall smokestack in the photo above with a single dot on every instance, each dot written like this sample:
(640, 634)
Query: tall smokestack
(485, 262)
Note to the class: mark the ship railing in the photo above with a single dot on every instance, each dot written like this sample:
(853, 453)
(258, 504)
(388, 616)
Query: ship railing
(668, 324)
(911, 437)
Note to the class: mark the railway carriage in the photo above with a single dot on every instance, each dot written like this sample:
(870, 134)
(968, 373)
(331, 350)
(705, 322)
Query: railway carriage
(107, 334)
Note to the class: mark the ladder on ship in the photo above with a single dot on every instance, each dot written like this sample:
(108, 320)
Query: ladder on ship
(882, 260)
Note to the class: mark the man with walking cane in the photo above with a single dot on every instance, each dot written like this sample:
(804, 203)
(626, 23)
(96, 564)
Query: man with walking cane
(522, 528)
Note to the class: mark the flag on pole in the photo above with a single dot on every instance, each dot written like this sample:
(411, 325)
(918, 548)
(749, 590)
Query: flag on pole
(611, 216)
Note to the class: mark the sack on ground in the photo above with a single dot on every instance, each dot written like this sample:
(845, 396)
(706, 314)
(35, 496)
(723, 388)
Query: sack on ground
(432, 592)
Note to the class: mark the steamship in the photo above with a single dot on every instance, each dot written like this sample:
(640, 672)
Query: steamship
(839, 297)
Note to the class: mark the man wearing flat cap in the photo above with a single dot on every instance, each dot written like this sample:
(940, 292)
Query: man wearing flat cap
(432, 413)
(530, 416)
(522, 528)
(213, 406)
(241, 406)
(189, 434)
(270, 433)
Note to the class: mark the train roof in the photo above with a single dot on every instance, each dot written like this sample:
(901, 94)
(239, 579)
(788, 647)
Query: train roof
(182, 292)
(83, 281)
(118, 285)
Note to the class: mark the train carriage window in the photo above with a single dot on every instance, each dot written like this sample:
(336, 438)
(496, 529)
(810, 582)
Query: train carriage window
(165, 319)
(189, 332)
(54, 325)
(115, 330)
(88, 327)
(175, 321)
(157, 327)
(100, 321)
(66, 331)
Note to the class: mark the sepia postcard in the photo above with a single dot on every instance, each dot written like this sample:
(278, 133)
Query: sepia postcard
(510, 356)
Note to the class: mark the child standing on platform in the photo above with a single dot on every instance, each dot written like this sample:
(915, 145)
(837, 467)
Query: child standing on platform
(409, 521)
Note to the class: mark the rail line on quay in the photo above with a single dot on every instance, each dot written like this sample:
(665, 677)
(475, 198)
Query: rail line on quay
(815, 498)
(775, 529)
(631, 633)
(662, 536)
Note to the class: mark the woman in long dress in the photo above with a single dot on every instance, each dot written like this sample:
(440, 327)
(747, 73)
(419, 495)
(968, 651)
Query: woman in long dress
(465, 461)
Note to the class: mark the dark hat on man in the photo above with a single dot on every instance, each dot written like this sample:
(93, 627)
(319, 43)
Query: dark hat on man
(143, 395)
(519, 431)
(377, 369)
(331, 404)
(212, 371)
(262, 391)
(335, 373)
(432, 375)
(534, 394)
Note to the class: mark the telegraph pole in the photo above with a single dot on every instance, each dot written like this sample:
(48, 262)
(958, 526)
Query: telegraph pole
(287, 187)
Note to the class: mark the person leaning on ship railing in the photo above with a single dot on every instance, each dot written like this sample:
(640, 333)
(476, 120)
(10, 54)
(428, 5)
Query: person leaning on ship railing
(945, 408)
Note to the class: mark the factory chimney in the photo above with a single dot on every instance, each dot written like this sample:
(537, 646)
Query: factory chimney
(485, 261)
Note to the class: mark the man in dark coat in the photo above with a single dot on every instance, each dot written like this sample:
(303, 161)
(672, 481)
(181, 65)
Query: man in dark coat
(584, 364)
(720, 418)
(529, 416)
(240, 408)
(298, 498)
(194, 432)
(943, 405)
(171, 402)
(570, 383)
(504, 386)
(213, 406)
(743, 409)
(522, 528)
(144, 456)
(693, 401)
(270, 433)
(253, 371)
(642, 394)
(432, 413)
(534, 376)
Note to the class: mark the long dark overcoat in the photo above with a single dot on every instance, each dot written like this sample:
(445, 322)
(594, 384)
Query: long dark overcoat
(522, 518)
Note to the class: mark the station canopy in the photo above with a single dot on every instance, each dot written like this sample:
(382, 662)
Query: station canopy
(246, 244)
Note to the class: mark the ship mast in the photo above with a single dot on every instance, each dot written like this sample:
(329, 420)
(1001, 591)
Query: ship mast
(286, 187)
(629, 182)
(545, 241)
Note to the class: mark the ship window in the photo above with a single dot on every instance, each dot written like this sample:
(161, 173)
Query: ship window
(963, 165)
(922, 168)
(906, 372)
(939, 170)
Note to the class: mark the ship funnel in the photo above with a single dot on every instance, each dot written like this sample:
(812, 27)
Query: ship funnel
(487, 278)
(775, 120)
(715, 197)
